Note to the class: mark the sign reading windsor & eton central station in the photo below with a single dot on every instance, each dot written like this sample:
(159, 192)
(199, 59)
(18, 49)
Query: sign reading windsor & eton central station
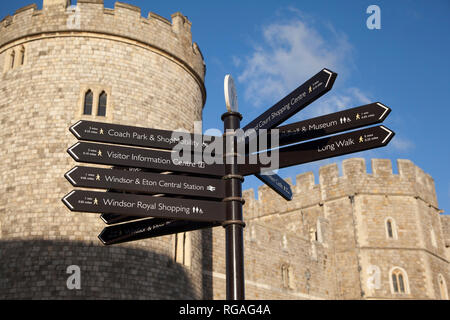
(161, 182)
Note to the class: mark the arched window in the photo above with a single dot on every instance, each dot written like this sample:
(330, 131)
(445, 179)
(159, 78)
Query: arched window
(443, 287)
(101, 110)
(287, 276)
(13, 59)
(391, 228)
(399, 281)
(88, 100)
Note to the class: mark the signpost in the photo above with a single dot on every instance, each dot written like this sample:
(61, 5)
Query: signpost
(145, 206)
(149, 228)
(145, 182)
(333, 123)
(325, 148)
(297, 100)
(136, 136)
(277, 184)
(141, 158)
(198, 194)
(110, 218)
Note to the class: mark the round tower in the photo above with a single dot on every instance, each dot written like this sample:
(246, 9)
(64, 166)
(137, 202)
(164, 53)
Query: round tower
(62, 64)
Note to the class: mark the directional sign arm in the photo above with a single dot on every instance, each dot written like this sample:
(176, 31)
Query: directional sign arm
(110, 218)
(142, 158)
(277, 184)
(149, 228)
(145, 206)
(356, 141)
(297, 100)
(136, 136)
(144, 182)
(349, 119)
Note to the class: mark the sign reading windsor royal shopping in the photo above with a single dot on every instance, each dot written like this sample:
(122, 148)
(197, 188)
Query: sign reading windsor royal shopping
(166, 192)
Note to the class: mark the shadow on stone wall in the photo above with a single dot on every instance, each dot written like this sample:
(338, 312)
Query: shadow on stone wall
(207, 263)
(37, 269)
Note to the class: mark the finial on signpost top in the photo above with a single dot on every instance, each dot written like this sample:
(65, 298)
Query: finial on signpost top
(230, 94)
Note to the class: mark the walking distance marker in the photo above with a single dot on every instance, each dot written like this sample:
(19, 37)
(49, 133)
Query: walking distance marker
(151, 191)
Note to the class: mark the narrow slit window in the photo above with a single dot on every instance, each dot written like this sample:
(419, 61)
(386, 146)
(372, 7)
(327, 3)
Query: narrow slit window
(389, 229)
(102, 101)
(13, 58)
(395, 283)
(401, 283)
(22, 56)
(88, 99)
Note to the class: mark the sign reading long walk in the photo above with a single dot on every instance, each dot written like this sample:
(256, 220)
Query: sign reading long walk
(141, 158)
(149, 228)
(297, 100)
(136, 136)
(360, 140)
(333, 123)
(144, 182)
(145, 206)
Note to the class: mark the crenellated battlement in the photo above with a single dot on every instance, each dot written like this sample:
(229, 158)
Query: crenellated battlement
(410, 181)
(58, 18)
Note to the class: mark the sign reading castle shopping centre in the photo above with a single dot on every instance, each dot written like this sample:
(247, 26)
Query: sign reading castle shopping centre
(153, 189)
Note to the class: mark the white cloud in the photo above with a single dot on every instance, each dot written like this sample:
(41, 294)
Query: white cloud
(291, 52)
(402, 144)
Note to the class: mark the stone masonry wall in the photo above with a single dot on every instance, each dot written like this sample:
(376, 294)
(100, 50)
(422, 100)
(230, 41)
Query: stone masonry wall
(334, 234)
(139, 63)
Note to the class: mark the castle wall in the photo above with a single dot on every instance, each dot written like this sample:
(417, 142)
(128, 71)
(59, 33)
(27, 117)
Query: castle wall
(170, 38)
(40, 100)
(278, 265)
(445, 223)
(341, 222)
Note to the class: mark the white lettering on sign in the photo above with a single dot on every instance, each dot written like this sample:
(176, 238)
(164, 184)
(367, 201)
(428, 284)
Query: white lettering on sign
(336, 145)
(114, 133)
(116, 203)
(321, 126)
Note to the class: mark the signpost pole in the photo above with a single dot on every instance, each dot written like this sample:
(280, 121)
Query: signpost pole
(234, 225)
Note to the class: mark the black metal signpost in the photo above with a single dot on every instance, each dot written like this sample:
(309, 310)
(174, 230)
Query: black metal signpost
(162, 194)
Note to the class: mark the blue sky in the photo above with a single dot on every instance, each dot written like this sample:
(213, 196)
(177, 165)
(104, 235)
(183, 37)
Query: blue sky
(271, 47)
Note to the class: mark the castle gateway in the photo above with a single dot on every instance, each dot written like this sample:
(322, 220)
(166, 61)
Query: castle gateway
(358, 235)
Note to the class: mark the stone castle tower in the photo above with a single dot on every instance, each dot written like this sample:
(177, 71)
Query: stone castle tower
(62, 64)
(357, 235)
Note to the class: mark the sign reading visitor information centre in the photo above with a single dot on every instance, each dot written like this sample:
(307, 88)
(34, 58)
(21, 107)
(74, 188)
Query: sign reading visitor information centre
(151, 193)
